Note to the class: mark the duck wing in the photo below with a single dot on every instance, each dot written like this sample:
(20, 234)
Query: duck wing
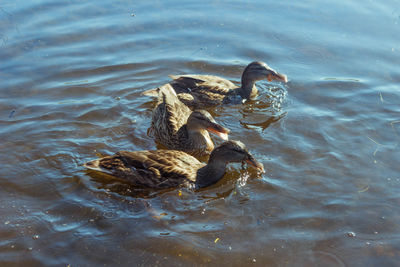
(206, 90)
(190, 83)
(156, 169)
(168, 117)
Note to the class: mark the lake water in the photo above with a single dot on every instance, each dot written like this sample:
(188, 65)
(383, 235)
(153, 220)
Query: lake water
(71, 74)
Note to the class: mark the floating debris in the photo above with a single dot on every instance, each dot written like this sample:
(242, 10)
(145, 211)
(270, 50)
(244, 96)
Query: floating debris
(351, 234)
(11, 114)
(364, 189)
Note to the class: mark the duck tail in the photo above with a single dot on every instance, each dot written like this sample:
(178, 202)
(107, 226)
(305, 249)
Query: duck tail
(166, 89)
(168, 95)
(155, 92)
(95, 165)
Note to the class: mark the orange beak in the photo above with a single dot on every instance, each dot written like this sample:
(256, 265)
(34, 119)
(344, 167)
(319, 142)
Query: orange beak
(253, 162)
(277, 77)
(219, 131)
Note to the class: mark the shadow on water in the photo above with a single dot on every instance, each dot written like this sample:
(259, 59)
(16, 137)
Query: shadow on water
(263, 124)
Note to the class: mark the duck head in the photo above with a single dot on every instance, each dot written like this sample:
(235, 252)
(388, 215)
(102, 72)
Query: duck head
(201, 119)
(235, 151)
(257, 71)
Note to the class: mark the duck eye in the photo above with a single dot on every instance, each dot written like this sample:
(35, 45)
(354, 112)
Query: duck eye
(200, 118)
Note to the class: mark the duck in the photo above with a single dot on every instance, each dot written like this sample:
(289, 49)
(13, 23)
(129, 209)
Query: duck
(176, 126)
(160, 169)
(207, 90)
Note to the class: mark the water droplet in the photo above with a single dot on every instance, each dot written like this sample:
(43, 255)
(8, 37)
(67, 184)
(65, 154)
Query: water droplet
(35, 237)
(7, 222)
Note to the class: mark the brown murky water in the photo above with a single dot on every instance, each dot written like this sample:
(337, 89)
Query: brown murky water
(71, 74)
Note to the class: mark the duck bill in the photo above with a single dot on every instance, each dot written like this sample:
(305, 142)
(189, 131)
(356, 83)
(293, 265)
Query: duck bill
(219, 131)
(277, 77)
(253, 162)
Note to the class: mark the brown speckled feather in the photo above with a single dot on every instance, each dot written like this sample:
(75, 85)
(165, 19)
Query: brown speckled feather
(210, 90)
(157, 168)
(168, 125)
(171, 168)
(205, 89)
(168, 117)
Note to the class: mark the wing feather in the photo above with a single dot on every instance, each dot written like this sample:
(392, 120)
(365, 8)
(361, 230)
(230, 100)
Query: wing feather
(205, 89)
(157, 168)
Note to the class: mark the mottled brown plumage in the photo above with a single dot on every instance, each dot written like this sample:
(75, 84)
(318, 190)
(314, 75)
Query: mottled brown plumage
(177, 127)
(172, 168)
(207, 90)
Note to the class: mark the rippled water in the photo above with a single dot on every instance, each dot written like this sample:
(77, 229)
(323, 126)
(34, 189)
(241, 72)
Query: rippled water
(71, 74)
